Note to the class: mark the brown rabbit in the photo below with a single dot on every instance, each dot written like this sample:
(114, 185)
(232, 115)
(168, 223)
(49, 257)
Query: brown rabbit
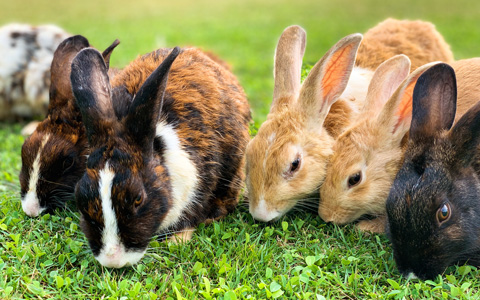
(174, 161)
(419, 40)
(54, 156)
(368, 155)
(286, 161)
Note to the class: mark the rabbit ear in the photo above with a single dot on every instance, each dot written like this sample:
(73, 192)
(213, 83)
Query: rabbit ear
(397, 112)
(91, 87)
(328, 79)
(288, 65)
(60, 87)
(145, 110)
(465, 136)
(108, 52)
(386, 79)
(434, 102)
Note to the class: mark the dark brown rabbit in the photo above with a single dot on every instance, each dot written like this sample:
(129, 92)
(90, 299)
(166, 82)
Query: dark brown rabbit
(173, 162)
(54, 156)
(433, 207)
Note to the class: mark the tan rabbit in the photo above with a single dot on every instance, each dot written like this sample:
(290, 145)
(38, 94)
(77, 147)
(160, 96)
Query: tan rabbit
(368, 155)
(286, 161)
(419, 40)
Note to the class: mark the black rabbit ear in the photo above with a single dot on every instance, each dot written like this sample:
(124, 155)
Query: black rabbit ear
(92, 91)
(145, 109)
(434, 102)
(60, 87)
(108, 52)
(465, 136)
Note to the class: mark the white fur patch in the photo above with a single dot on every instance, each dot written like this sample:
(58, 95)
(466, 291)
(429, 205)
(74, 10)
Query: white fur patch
(31, 203)
(357, 87)
(26, 53)
(113, 253)
(262, 213)
(412, 275)
(182, 171)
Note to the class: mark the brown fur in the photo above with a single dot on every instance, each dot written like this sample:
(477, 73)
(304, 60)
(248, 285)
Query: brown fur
(202, 102)
(67, 138)
(419, 40)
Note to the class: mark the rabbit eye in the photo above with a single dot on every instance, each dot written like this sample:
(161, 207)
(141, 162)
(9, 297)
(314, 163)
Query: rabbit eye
(67, 163)
(443, 213)
(295, 164)
(354, 179)
(138, 201)
(294, 167)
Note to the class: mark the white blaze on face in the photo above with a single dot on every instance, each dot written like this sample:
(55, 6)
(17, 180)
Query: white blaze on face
(113, 253)
(30, 202)
(262, 213)
(182, 172)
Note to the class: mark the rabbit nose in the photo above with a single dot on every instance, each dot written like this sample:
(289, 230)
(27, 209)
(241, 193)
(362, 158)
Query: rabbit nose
(31, 205)
(113, 251)
(326, 216)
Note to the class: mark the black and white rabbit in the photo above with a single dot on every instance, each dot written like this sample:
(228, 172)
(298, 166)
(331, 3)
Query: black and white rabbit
(434, 205)
(174, 161)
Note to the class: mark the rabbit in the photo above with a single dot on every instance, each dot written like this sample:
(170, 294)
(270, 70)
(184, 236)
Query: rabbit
(419, 40)
(433, 207)
(367, 156)
(287, 159)
(54, 156)
(174, 161)
(26, 53)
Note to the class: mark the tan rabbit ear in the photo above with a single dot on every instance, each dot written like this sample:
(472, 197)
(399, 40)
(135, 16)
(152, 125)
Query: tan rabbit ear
(328, 79)
(288, 66)
(386, 79)
(397, 112)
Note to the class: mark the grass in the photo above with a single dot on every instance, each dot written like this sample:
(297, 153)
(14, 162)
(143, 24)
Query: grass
(237, 258)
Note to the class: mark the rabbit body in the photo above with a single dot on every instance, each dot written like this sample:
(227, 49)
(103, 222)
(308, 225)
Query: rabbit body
(287, 159)
(174, 161)
(26, 53)
(419, 40)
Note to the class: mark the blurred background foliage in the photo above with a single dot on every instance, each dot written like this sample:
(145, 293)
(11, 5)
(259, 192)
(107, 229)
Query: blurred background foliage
(244, 33)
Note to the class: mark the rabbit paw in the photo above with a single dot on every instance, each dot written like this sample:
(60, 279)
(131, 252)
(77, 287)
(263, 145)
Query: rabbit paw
(183, 236)
(376, 225)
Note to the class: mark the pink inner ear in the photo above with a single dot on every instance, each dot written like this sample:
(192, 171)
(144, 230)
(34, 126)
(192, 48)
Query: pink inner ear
(335, 71)
(404, 111)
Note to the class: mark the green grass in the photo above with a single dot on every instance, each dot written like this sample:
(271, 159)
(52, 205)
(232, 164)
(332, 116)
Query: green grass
(298, 257)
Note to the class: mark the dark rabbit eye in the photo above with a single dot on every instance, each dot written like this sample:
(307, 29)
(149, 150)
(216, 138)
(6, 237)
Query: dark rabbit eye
(443, 213)
(354, 179)
(67, 163)
(295, 164)
(138, 201)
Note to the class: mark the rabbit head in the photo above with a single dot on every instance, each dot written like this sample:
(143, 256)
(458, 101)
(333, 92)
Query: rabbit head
(367, 155)
(54, 156)
(432, 208)
(286, 160)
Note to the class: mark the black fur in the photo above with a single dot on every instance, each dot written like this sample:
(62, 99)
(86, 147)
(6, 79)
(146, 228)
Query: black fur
(438, 170)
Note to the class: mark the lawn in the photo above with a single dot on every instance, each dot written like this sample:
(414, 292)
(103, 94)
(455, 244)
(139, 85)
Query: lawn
(236, 258)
